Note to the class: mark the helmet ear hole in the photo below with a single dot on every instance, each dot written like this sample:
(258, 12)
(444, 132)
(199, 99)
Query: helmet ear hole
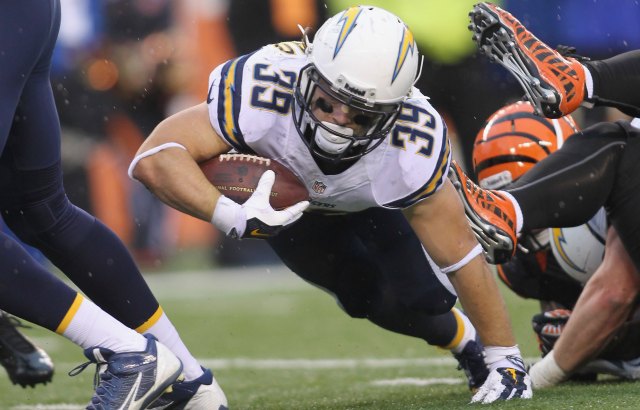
(513, 140)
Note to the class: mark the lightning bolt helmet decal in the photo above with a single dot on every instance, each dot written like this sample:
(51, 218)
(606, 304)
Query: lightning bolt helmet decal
(348, 20)
(407, 44)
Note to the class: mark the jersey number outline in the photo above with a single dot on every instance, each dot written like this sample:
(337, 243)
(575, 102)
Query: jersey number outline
(416, 125)
(277, 93)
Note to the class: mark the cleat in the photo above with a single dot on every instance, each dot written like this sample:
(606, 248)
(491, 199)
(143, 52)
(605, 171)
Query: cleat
(471, 361)
(625, 369)
(491, 214)
(25, 363)
(554, 84)
(131, 380)
(199, 394)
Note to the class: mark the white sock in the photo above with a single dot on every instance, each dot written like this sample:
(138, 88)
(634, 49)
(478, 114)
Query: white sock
(588, 82)
(86, 325)
(466, 332)
(161, 327)
(516, 206)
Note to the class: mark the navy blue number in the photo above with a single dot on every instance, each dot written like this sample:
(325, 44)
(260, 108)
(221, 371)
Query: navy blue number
(278, 100)
(416, 125)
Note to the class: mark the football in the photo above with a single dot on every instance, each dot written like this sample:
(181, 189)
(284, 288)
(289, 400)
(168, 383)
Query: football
(236, 177)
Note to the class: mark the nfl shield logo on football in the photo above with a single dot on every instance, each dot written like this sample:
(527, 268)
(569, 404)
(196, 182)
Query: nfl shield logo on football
(318, 187)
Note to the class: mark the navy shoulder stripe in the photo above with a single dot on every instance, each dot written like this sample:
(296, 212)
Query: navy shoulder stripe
(229, 103)
(434, 182)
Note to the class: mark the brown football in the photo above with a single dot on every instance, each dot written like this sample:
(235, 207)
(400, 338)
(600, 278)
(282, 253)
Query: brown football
(236, 177)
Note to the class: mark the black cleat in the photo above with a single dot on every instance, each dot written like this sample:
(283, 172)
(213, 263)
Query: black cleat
(471, 361)
(26, 364)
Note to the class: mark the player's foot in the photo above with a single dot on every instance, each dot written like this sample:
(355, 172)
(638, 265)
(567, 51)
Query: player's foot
(25, 363)
(626, 369)
(199, 394)
(131, 380)
(471, 361)
(554, 84)
(492, 216)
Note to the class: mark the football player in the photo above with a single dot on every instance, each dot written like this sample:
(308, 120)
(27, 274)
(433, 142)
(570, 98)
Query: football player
(384, 230)
(568, 187)
(35, 207)
(550, 265)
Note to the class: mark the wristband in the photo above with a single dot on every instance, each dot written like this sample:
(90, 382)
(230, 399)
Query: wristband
(477, 250)
(547, 373)
(229, 217)
(150, 152)
(500, 356)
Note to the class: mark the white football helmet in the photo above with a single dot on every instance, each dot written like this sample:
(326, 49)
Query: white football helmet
(579, 250)
(365, 58)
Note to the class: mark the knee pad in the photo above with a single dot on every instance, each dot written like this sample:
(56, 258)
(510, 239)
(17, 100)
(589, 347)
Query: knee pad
(41, 212)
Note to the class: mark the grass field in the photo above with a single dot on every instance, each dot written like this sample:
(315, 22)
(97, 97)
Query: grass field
(275, 342)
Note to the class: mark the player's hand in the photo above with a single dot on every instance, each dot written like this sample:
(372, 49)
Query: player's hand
(262, 220)
(255, 218)
(507, 378)
(548, 327)
(504, 383)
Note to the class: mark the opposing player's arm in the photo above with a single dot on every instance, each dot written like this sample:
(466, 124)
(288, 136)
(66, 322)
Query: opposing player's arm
(171, 170)
(441, 226)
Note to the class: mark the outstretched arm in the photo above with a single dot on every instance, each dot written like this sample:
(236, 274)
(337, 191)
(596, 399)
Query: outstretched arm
(172, 174)
(440, 224)
(604, 305)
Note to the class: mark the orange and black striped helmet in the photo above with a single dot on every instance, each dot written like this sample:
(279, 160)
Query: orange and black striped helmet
(513, 140)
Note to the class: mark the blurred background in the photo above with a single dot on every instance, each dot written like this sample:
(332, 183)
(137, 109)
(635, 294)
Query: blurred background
(121, 66)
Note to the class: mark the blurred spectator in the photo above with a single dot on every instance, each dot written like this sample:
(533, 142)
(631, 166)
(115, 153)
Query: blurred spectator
(271, 21)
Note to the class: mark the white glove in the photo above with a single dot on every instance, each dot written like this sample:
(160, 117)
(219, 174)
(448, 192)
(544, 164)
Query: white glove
(255, 218)
(507, 379)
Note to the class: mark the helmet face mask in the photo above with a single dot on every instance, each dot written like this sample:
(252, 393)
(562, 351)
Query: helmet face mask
(364, 62)
(316, 98)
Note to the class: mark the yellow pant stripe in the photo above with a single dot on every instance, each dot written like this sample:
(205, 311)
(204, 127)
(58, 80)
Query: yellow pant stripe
(459, 334)
(73, 309)
(151, 321)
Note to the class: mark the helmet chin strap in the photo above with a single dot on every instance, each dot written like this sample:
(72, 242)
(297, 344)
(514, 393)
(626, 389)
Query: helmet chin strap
(331, 143)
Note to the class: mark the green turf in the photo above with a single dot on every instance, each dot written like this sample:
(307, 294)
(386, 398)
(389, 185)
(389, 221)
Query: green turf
(250, 317)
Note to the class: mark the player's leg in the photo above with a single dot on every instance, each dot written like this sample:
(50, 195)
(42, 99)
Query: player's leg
(555, 84)
(570, 185)
(30, 292)
(38, 212)
(615, 81)
(372, 281)
(564, 189)
(625, 196)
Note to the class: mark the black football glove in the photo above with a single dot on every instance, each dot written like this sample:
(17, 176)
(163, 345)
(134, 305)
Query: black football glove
(548, 327)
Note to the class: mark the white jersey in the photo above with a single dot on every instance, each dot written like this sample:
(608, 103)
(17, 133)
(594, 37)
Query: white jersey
(250, 100)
